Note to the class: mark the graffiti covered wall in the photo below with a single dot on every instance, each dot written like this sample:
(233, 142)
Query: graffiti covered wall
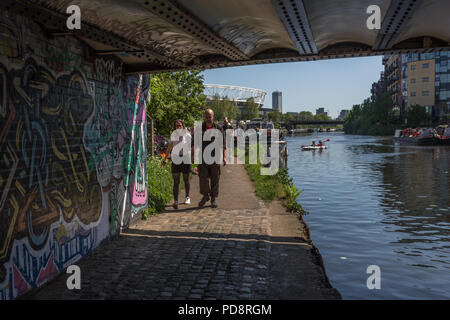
(66, 119)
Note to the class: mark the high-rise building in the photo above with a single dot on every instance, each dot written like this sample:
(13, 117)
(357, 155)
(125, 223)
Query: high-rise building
(393, 74)
(320, 111)
(417, 78)
(276, 101)
(379, 87)
(343, 114)
(427, 81)
(420, 83)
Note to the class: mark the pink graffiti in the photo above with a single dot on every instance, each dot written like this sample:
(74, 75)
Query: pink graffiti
(49, 272)
(139, 197)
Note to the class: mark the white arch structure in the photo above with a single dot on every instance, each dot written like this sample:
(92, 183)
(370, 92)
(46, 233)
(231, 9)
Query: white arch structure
(234, 93)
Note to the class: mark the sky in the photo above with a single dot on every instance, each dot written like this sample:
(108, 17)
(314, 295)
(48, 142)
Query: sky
(333, 84)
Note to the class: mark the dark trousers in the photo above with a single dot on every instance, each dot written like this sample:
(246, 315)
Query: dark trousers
(207, 172)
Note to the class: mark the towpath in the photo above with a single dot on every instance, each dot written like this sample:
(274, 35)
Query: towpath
(244, 249)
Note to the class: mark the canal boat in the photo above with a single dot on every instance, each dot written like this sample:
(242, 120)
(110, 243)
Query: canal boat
(443, 135)
(421, 137)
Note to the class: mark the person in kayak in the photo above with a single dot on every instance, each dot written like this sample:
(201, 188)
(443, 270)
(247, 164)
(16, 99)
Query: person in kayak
(313, 144)
(320, 143)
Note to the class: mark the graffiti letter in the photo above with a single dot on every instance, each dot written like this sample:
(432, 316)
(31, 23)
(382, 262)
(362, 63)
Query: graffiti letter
(74, 20)
(74, 281)
(374, 21)
(374, 281)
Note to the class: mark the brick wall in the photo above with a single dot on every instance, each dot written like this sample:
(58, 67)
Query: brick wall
(66, 117)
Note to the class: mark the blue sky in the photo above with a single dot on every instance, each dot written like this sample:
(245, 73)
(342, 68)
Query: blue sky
(333, 84)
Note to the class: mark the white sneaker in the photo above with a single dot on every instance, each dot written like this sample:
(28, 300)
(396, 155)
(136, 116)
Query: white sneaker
(188, 200)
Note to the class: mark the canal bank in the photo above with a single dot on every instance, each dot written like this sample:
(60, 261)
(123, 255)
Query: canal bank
(244, 249)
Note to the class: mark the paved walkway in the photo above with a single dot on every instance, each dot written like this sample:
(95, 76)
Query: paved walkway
(244, 249)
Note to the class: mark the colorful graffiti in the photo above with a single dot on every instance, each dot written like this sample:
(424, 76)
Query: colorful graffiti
(65, 136)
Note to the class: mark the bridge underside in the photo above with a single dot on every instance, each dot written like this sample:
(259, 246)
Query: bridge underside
(163, 35)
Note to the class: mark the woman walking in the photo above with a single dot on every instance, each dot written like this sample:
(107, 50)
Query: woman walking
(183, 137)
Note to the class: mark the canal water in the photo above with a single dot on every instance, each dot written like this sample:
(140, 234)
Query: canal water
(372, 201)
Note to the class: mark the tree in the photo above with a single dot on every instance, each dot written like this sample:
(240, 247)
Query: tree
(322, 117)
(223, 107)
(175, 95)
(250, 109)
(305, 116)
(274, 116)
(286, 117)
(382, 109)
(417, 115)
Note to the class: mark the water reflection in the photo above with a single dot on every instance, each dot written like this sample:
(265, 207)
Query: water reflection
(416, 199)
(374, 201)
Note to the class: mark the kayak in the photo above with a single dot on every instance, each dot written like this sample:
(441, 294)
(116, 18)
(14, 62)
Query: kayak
(313, 148)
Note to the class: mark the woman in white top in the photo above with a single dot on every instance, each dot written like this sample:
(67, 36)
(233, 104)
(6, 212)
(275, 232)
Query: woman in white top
(183, 137)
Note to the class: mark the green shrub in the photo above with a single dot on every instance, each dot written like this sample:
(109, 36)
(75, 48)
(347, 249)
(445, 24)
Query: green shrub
(280, 186)
(160, 185)
(291, 204)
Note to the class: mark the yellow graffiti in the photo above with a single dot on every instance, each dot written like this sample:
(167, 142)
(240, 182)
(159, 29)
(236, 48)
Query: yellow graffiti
(62, 232)
(58, 153)
(85, 163)
(73, 121)
(77, 78)
(19, 129)
(19, 89)
(5, 247)
(47, 76)
(79, 186)
(3, 103)
(52, 111)
(20, 188)
(65, 202)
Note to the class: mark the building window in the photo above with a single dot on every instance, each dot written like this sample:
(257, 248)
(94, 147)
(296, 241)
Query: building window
(413, 67)
(413, 80)
(425, 65)
(425, 93)
(413, 94)
(425, 79)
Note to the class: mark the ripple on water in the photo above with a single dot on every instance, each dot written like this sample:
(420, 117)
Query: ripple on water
(381, 204)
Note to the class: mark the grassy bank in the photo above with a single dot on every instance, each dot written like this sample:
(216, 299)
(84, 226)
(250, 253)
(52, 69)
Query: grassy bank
(160, 186)
(278, 186)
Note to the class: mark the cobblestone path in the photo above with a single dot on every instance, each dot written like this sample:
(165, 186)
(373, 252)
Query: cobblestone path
(244, 249)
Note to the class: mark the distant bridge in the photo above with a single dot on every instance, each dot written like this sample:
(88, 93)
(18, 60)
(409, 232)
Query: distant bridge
(293, 123)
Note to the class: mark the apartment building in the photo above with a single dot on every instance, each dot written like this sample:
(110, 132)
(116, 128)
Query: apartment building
(421, 83)
(416, 78)
(431, 87)
(393, 75)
